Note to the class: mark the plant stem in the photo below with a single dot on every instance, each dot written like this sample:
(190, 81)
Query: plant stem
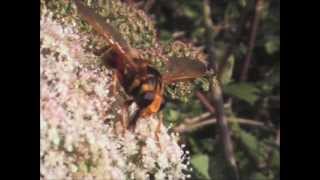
(252, 40)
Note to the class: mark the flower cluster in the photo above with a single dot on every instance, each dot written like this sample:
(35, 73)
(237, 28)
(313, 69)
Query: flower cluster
(138, 30)
(81, 136)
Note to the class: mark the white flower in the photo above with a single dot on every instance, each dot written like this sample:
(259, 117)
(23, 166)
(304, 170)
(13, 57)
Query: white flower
(148, 162)
(163, 161)
(117, 174)
(151, 145)
(140, 174)
(54, 136)
(160, 175)
(92, 149)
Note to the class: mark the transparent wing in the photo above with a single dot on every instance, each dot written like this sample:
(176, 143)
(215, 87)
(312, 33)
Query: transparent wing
(112, 36)
(182, 69)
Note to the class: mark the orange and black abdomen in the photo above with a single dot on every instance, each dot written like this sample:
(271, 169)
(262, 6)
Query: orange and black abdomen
(147, 93)
(141, 84)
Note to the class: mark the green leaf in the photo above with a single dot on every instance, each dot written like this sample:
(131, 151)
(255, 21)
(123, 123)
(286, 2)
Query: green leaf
(244, 91)
(198, 33)
(275, 162)
(173, 115)
(226, 77)
(272, 45)
(258, 176)
(243, 49)
(243, 3)
(165, 35)
(249, 141)
(194, 144)
(201, 164)
(189, 12)
(203, 82)
(254, 146)
(232, 11)
(208, 144)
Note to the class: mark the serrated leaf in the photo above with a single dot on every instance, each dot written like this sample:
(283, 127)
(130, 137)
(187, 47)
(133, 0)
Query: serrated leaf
(244, 91)
(201, 163)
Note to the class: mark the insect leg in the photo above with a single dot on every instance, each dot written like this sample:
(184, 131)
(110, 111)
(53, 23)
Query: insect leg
(159, 126)
(124, 115)
(157, 133)
(114, 83)
(133, 121)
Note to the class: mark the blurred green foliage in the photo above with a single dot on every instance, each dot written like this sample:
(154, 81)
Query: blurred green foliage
(257, 98)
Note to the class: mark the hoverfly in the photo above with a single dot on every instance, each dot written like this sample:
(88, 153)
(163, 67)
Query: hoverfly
(138, 78)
